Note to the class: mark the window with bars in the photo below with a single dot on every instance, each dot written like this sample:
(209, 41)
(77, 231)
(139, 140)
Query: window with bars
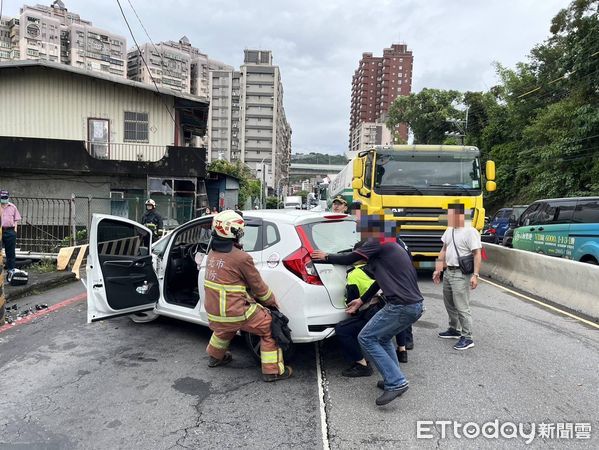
(136, 127)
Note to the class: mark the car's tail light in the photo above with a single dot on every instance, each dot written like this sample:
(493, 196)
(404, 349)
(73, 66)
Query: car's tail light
(300, 262)
(492, 231)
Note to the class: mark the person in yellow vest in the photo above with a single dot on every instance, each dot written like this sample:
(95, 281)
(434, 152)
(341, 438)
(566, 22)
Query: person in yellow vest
(235, 299)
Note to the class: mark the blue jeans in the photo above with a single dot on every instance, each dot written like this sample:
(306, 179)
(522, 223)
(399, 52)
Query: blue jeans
(375, 339)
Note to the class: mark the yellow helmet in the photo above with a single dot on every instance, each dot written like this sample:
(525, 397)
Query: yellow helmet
(228, 224)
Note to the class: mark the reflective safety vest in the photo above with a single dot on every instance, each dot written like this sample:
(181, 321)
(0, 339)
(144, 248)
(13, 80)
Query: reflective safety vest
(360, 279)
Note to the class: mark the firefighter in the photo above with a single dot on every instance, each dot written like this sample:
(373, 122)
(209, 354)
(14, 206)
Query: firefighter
(151, 218)
(235, 294)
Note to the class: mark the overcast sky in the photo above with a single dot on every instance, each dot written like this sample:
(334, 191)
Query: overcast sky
(318, 43)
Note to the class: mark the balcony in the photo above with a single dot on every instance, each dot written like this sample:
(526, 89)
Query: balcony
(128, 151)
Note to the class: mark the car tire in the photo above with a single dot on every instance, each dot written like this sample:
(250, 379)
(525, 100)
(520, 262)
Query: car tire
(144, 317)
(252, 342)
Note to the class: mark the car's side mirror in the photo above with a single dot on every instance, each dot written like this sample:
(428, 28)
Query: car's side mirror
(143, 251)
(512, 221)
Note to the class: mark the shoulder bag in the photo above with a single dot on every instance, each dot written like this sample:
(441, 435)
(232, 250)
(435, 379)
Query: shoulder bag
(466, 263)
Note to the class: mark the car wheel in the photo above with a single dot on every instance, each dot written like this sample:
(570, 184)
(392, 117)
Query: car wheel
(252, 342)
(144, 317)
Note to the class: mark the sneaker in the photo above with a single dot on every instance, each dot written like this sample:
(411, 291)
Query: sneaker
(213, 362)
(464, 344)
(402, 357)
(451, 333)
(270, 377)
(357, 370)
(389, 396)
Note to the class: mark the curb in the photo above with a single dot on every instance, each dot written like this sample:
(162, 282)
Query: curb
(14, 293)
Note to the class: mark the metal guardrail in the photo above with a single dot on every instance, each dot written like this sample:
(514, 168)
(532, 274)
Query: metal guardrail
(48, 224)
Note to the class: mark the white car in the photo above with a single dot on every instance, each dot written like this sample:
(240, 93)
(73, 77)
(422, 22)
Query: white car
(125, 278)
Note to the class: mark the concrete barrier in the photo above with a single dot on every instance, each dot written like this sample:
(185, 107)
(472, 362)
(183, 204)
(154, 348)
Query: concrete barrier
(568, 283)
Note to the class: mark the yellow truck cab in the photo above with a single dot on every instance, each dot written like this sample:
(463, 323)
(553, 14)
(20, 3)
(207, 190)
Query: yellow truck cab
(414, 184)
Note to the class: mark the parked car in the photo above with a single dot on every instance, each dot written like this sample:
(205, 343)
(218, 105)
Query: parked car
(125, 278)
(563, 227)
(496, 226)
(508, 235)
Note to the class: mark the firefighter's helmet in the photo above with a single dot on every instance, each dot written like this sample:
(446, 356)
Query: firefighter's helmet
(228, 224)
(150, 202)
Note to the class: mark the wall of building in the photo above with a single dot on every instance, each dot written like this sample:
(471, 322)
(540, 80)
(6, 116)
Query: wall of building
(47, 103)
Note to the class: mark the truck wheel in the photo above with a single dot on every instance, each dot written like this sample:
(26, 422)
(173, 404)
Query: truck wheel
(590, 260)
(252, 342)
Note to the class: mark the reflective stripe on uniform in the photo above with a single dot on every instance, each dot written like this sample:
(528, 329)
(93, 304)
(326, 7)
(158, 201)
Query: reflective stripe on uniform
(217, 342)
(248, 313)
(265, 297)
(281, 363)
(222, 295)
(271, 357)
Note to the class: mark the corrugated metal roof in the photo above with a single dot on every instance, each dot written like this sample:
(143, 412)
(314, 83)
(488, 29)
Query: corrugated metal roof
(101, 76)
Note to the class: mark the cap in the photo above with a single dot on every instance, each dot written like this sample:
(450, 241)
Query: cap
(4, 194)
(340, 199)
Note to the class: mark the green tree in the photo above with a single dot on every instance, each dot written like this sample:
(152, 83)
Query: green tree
(249, 187)
(427, 114)
(273, 202)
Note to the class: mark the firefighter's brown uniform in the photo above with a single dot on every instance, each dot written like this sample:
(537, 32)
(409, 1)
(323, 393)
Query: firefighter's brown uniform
(232, 285)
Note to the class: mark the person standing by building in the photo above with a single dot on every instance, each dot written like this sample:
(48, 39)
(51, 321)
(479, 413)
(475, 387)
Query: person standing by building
(2, 298)
(459, 240)
(235, 293)
(395, 274)
(10, 222)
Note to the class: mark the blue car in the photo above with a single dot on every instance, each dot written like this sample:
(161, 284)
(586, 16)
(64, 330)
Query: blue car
(500, 223)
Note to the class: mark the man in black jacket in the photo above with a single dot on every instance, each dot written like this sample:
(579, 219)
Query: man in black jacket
(394, 272)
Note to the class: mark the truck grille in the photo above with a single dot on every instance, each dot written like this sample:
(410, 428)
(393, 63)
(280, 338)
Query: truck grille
(422, 240)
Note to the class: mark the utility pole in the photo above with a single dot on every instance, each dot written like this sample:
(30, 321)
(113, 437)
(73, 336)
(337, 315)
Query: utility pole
(462, 127)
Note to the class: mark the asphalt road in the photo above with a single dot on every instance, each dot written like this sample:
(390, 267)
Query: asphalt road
(116, 384)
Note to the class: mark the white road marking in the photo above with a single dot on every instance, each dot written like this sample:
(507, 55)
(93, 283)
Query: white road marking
(538, 302)
(324, 428)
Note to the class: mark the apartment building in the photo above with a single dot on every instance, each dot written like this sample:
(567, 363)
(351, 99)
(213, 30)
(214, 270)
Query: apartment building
(376, 83)
(9, 39)
(247, 120)
(52, 33)
(166, 66)
(367, 134)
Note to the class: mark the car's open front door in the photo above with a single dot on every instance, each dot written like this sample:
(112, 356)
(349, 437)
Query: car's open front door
(120, 276)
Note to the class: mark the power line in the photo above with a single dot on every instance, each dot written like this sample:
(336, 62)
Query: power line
(144, 28)
(144, 61)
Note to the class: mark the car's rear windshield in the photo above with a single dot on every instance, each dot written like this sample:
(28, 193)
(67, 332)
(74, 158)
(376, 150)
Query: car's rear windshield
(332, 236)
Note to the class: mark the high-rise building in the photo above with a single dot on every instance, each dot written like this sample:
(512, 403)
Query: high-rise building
(164, 65)
(176, 65)
(376, 83)
(53, 33)
(247, 119)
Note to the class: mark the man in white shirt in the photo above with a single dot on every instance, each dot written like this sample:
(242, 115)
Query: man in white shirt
(456, 285)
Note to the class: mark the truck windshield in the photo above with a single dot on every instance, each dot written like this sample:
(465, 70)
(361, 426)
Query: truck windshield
(427, 173)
